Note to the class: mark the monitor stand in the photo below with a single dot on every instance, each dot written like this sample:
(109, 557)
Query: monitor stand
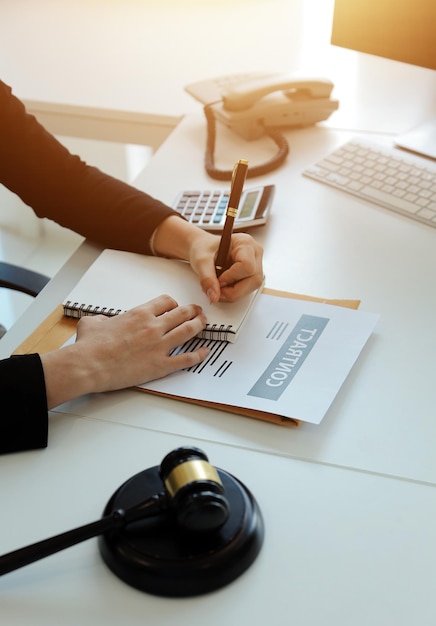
(421, 139)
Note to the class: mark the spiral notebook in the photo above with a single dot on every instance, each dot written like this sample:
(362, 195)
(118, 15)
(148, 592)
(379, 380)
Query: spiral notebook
(118, 281)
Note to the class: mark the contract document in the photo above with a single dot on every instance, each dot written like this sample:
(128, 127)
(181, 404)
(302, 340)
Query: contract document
(290, 360)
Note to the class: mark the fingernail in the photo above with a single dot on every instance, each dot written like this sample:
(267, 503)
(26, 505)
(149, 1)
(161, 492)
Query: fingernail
(211, 295)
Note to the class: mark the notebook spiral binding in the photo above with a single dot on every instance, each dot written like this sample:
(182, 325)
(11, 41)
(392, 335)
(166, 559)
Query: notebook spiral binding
(217, 333)
(76, 310)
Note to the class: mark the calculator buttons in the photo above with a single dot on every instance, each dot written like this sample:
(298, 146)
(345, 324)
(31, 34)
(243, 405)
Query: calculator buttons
(207, 208)
(203, 207)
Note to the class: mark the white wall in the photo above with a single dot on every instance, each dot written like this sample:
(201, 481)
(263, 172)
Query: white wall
(137, 55)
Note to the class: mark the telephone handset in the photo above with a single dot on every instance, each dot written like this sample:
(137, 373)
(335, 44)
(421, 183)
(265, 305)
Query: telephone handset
(256, 104)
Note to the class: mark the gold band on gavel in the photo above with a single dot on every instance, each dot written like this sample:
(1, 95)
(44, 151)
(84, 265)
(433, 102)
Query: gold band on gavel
(189, 472)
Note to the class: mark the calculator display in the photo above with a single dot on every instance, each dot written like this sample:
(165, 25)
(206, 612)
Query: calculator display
(207, 208)
(246, 209)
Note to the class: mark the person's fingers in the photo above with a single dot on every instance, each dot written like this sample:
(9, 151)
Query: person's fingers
(185, 360)
(160, 305)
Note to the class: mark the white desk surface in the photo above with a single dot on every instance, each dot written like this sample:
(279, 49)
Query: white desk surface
(349, 534)
(341, 547)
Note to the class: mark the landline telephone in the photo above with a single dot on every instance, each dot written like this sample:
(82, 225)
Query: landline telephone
(257, 104)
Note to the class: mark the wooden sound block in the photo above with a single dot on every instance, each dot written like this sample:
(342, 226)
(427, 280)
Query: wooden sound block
(156, 556)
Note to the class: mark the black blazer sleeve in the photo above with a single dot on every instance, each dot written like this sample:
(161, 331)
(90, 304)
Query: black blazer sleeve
(62, 187)
(24, 415)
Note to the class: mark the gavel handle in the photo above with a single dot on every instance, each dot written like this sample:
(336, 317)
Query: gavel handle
(117, 519)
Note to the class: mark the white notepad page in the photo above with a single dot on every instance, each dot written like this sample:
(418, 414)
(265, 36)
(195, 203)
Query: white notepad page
(122, 280)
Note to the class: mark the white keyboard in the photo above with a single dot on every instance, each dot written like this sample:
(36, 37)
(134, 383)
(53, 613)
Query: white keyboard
(382, 176)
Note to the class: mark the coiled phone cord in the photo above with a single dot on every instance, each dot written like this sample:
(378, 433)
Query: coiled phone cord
(256, 170)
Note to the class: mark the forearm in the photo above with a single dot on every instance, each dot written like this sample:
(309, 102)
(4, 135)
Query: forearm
(176, 238)
(62, 187)
(68, 375)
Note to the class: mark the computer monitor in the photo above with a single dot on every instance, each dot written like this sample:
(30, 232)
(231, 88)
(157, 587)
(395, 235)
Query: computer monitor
(401, 30)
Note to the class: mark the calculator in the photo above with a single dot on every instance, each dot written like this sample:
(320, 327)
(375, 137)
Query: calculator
(207, 208)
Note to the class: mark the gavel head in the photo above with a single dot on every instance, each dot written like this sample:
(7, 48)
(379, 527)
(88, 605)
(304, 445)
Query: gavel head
(194, 490)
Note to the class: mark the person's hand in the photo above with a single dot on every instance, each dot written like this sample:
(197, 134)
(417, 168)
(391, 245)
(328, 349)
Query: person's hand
(244, 274)
(177, 238)
(124, 351)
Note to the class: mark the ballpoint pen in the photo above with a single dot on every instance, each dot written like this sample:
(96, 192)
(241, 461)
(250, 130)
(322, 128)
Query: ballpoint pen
(236, 188)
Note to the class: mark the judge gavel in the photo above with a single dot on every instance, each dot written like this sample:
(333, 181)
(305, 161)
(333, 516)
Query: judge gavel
(193, 494)
(179, 529)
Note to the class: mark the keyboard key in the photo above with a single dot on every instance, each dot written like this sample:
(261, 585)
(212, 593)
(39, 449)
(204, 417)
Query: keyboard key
(388, 199)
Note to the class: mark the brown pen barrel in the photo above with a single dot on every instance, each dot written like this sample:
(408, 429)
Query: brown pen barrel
(237, 186)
